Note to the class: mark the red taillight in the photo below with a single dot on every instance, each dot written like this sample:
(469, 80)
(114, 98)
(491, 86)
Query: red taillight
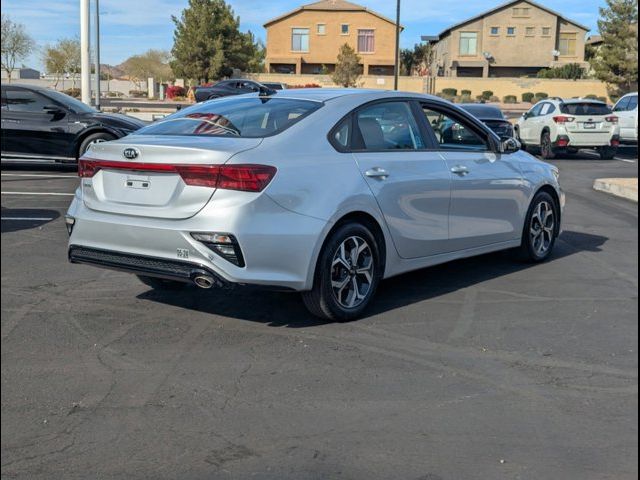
(612, 119)
(563, 119)
(246, 178)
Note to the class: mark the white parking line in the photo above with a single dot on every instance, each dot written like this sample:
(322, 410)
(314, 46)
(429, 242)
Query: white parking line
(39, 219)
(39, 193)
(625, 160)
(36, 175)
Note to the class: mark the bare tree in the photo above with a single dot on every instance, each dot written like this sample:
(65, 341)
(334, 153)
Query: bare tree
(153, 63)
(16, 45)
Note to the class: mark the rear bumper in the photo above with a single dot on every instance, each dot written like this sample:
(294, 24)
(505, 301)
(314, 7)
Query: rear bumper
(143, 265)
(587, 140)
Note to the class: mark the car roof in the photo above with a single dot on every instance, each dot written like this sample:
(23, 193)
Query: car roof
(23, 85)
(325, 94)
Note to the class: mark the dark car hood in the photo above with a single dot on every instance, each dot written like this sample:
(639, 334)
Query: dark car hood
(115, 120)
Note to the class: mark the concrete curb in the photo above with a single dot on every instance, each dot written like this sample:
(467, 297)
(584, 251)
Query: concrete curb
(620, 187)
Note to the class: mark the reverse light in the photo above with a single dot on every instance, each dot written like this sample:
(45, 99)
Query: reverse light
(69, 222)
(243, 177)
(611, 119)
(563, 119)
(223, 244)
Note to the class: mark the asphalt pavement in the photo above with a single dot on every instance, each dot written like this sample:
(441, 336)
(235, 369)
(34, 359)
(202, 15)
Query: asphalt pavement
(478, 369)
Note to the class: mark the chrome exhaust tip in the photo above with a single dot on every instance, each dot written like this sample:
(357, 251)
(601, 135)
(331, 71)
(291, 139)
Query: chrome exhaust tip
(203, 281)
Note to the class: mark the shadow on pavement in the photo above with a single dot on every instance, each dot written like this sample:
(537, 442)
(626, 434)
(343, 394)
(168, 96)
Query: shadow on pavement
(16, 219)
(278, 309)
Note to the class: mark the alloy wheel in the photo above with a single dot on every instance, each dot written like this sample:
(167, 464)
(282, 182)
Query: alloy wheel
(542, 228)
(352, 272)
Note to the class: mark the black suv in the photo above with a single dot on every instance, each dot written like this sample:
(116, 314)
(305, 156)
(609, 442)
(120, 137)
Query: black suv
(226, 88)
(40, 124)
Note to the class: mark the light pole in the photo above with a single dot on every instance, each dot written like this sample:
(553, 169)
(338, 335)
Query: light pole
(397, 58)
(85, 62)
(97, 55)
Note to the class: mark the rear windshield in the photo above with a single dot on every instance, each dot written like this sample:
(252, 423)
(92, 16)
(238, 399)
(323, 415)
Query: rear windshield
(252, 117)
(586, 108)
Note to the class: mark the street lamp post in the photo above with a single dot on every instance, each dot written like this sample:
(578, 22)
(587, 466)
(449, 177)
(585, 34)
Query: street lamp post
(396, 64)
(85, 62)
(97, 56)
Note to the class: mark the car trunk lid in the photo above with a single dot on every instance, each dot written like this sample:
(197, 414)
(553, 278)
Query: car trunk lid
(156, 176)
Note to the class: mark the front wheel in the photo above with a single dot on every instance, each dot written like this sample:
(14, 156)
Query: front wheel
(347, 274)
(540, 229)
(607, 153)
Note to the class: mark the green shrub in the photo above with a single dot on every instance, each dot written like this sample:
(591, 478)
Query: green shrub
(487, 94)
(571, 71)
(72, 92)
(450, 92)
(591, 96)
(494, 99)
(528, 97)
(602, 99)
(510, 99)
(137, 93)
(465, 93)
(542, 95)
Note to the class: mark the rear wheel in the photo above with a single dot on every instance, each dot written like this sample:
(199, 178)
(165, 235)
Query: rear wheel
(607, 153)
(546, 147)
(161, 283)
(93, 139)
(540, 229)
(346, 276)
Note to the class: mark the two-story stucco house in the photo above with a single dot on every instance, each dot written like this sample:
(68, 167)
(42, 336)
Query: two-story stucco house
(515, 39)
(308, 39)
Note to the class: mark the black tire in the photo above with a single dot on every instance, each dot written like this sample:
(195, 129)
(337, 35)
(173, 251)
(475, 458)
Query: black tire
(530, 250)
(94, 137)
(161, 283)
(546, 146)
(607, 153)
(322, 301)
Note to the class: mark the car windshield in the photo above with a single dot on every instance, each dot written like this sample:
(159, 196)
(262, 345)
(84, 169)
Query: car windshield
(253, 117)
(585, 108)
(75, 105)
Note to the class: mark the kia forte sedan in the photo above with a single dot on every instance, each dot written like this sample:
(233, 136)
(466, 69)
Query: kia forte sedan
(321, 191)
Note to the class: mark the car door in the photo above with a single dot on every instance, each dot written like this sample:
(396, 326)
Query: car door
(626, 111)
(527, 123)
(409, 180)
(487, 189)
(540, 121)
(32, 128)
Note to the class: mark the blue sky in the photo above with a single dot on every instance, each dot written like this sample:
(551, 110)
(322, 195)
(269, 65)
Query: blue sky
(134, 26)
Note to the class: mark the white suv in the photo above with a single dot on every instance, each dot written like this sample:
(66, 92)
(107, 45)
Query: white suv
(559, 126)
(627, 111)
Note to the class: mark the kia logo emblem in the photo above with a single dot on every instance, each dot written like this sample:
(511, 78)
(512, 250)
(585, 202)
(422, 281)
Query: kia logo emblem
(130, 153)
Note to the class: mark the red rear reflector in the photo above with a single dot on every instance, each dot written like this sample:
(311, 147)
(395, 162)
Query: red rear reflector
(615, 142)
(245, 177)
(563, 119)
(562, 142)
(612, 119)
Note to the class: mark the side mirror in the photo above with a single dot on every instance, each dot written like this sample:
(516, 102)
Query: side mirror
(54, 110)
(509, 145)
(525, 115)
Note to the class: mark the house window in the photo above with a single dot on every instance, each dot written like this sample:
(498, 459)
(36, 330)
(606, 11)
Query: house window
(366, 41)
(511, 31)
(300, 39)
(546, 31)
(495, 30)
(344, 29)
(567, 44)
(321, 29)
(531, 31)
(468, 43)
(521, 12)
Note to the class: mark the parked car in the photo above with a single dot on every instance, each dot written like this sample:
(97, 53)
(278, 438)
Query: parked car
(559, 126)
(275, 85)
(226, 88)
(322, 191)
(626, 109)
(492, 117)
(39, 124)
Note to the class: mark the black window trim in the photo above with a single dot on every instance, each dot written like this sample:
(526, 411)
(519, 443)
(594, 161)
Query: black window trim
(35, 92)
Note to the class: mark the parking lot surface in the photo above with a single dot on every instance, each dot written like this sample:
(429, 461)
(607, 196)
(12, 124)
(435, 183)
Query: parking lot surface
(477, 369)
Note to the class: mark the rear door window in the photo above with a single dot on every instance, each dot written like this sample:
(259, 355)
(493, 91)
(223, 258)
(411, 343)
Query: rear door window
(633, 102)
(389, 126)
(622, 105)
(547, 109)
(26, 101)
(585, 108)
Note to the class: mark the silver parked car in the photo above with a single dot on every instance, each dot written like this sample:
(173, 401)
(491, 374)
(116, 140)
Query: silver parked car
(322, 191)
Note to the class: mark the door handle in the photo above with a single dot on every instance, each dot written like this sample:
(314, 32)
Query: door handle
(460, 170)
(377, 172)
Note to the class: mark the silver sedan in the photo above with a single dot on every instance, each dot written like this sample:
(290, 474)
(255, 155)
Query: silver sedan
(322, 191)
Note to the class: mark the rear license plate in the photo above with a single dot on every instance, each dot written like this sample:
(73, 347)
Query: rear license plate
(589, 125)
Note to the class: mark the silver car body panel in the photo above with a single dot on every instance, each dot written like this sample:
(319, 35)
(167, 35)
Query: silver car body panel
(426, 213)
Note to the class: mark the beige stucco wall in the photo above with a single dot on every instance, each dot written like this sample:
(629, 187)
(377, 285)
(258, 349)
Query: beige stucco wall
(500, 86)
(323, 49)
(519, 50)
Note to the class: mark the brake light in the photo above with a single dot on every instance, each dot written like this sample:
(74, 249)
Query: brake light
(563, 119)
(245, 177)
(611, 119)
